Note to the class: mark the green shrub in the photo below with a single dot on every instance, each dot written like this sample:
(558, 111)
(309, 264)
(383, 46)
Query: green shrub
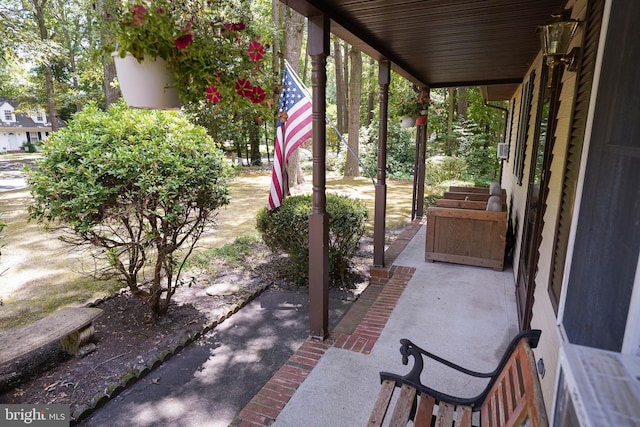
(444, 168)
(138, 186)
(401, 148)
(286, 230)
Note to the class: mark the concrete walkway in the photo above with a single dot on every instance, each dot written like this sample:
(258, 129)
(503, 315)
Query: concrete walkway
(462, 313)
(213, 378)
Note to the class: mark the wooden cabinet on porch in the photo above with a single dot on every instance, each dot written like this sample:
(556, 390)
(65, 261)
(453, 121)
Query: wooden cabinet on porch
(466, 236)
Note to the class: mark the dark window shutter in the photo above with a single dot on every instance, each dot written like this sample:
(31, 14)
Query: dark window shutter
(605, 257)
(584, 83)
(523, 127)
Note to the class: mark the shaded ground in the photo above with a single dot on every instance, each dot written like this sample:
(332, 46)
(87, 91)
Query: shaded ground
(129, 344)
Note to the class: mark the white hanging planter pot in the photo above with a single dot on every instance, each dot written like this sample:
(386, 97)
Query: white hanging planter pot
(407, 121)
(147, 84)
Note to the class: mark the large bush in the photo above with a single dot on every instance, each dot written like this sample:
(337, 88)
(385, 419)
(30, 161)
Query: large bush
(139, 187)
(286, 230)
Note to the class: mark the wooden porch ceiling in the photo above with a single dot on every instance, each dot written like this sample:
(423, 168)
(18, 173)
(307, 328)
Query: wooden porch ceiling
(443, 43)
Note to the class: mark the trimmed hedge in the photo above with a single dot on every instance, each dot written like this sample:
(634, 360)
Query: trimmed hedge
(286, 230)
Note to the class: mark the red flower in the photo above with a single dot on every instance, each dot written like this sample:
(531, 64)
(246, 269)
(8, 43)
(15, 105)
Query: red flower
(244, 88)
(256, 50)
(184, 40)
(257, 95)
(138, 14)
(237, 26)
(213, 94)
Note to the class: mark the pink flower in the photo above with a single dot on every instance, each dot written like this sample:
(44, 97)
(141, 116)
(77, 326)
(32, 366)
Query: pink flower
(184, 40)
(237, 26)
(213, 94)
(257, 95)
(244, 88)
(138, 14)
(256, 50)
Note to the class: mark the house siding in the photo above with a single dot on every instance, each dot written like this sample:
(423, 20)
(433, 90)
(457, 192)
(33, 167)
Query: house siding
(543, 313)
(15, 133)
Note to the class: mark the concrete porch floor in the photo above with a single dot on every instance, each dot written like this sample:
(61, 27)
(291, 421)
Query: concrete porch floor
(462, 313)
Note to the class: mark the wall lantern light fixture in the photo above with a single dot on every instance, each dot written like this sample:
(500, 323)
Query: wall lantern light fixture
(555, 38)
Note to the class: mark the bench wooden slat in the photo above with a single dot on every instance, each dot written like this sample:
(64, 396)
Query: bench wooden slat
(470, 196)
(461, 204)
(21, 341)
(464, 416)
(402, 410)
(461, 189)
(445, 415)
(425, 411)
(382, 404)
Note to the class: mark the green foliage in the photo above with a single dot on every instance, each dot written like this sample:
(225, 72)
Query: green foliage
(479, 154)
(401, 148)
(286, 230)
(137, 186)
(413, 104)
(29, 147)
(444, 168)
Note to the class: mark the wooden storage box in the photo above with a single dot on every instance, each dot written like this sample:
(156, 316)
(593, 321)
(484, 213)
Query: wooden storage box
(466, 236)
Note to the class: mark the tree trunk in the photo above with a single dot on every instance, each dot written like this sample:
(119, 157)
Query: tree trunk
(345, 85)
(372, 92)
(340, 91)
(48, 74)
(254, 141)
(111, 92)
(293, 24)
(463, 104)
(355, 82)
(451, 108)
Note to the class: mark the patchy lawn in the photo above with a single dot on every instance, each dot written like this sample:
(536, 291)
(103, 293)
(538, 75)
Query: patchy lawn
(42, 274)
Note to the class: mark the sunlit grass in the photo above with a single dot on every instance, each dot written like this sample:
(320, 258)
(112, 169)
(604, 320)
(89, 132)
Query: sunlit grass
(231, 253)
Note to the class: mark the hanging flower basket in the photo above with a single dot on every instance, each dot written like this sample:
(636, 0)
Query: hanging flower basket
(146, 84)
(213, 58)
(407, 121)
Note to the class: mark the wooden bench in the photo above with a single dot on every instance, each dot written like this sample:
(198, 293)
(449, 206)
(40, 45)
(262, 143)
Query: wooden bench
(478, 190)
(461, 204)
(464, 195)
(466, 236)
(512, 397)
(72, 326)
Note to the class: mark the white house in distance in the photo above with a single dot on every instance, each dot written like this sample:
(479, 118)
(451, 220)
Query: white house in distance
(18, 129)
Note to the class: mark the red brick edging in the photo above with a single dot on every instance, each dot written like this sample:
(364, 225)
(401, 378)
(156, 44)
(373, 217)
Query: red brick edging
(358, 331)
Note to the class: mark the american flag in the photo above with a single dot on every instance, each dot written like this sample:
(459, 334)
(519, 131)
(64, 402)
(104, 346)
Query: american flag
(294, 128)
